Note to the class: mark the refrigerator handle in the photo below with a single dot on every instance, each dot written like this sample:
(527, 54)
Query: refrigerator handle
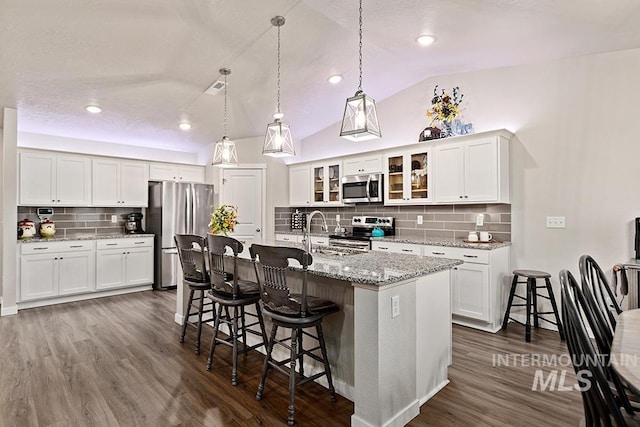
(189, 213)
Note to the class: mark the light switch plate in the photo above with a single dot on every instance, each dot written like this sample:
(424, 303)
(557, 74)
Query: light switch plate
(419, 219)
(556, 222)
(480, 220)
(395, 306)
(114, 219)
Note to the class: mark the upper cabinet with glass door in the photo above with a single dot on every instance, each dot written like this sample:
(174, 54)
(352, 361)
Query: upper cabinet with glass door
(326, 184)
(408, 177)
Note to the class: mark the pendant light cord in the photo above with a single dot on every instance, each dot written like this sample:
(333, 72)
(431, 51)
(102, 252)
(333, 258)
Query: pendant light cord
(360, 48)
(225, 106)
(278, 80)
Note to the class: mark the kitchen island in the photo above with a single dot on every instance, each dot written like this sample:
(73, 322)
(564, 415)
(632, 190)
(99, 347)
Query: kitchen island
(390, 345)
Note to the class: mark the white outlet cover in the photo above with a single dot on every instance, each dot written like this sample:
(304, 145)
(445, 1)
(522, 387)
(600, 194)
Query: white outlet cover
(419, 219)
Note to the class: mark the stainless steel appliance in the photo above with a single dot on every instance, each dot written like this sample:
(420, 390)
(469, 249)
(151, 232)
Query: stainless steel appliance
(133, 225)
(360, 237)
(175, 208)
(362, 188)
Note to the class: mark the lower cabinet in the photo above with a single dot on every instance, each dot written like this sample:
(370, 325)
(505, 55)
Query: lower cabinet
(48, 271)
(54, 269)
(478, 286)
(124, 262)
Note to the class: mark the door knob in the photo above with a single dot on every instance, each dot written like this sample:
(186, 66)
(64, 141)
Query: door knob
(257, 230)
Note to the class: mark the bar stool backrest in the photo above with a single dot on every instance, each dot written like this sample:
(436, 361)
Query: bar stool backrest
(219, 277)
(270, 263)
(599, 402)
(191, 250)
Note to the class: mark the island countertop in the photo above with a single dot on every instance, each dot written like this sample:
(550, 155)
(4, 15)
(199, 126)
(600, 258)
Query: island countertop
(39, 239)
(372, 267)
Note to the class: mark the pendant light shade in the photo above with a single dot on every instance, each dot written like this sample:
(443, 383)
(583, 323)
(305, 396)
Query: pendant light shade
(360, 119)
(225, 154)
(277, 140)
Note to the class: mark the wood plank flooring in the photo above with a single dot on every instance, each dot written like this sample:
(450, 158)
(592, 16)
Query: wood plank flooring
(117, 361)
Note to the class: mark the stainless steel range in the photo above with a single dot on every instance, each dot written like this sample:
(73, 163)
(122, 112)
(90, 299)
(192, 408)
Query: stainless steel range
(360, 237)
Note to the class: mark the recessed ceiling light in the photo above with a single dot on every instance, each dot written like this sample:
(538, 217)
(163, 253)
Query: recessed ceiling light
(425, 40)
(93, 109)
(335, 79)
(184, 126)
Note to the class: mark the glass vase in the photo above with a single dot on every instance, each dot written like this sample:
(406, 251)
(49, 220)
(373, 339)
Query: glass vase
(446, 129)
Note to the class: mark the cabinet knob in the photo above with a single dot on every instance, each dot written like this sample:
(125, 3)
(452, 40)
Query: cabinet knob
(257, 230)
(466, 197)
(461, 197)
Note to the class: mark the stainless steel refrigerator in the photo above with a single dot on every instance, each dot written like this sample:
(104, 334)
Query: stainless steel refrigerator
(175, 208)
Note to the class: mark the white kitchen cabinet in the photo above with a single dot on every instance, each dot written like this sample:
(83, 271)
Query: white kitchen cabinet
(174, 172)
(363, 165)
(124, 262)
(320, 240)
(326, 184)
(53, 179)
(399, 248)
(408, 177)
(120, 183)
(52, 269)
(300, 185)
(292, 238)
(478, 286)
(473, 170)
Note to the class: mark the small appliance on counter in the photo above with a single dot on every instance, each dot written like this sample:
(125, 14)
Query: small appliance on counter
(133, 225)
(26, 229)
(47, 226)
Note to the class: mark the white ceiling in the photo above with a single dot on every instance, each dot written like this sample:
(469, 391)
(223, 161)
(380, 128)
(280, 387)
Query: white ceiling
(147, 63)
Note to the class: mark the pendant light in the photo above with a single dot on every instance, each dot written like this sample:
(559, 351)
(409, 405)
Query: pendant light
(225, 154)
(278, 141)
(360, 120)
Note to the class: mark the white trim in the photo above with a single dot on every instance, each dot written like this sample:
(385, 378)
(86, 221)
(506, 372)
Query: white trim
(433, 392)
(8, 311)
(400, 419)
(252, 166)
(82, 297)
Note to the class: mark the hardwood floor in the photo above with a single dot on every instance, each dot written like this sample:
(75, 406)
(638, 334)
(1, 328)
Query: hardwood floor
(117, 361)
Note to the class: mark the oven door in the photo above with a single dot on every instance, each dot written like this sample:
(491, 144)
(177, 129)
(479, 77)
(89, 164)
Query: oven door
(362, 188)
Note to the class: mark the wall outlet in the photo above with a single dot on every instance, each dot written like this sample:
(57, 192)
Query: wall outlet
(480, 220)
(395, 306)
(114, 219)
(337, 217)
(556, 222)
(419, 219)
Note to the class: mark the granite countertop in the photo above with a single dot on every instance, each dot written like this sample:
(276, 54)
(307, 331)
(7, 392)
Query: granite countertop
(435, 241)
(84, 237)
(371, 267)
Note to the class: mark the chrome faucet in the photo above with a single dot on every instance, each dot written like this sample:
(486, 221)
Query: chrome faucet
(306, 239)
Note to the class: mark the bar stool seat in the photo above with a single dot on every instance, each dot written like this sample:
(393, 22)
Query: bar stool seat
(531, 301)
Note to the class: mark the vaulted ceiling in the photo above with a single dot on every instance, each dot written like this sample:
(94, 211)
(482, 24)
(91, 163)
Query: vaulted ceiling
(147, 63)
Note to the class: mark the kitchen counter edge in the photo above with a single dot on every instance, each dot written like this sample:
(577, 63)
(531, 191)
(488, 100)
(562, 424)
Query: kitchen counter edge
(92, 237)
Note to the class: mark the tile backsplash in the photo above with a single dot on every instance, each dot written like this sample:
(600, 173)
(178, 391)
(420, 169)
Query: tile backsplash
(454, 221)
(81, 221)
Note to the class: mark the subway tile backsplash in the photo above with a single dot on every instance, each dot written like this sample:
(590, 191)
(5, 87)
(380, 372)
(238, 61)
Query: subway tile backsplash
(81, 221)
(453, 221)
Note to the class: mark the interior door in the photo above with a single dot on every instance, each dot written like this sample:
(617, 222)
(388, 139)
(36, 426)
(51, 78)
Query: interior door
(243, 189)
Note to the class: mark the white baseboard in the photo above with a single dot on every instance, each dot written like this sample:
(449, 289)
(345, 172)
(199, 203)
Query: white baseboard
(82, 297)
(433, 392)
(400, 419)
(8, 311)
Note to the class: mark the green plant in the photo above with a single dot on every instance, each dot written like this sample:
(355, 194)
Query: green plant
(223, 219)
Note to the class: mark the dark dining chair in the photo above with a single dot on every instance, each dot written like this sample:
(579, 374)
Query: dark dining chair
(191, 251)
(602, 403)
(603, 298)
(298, 312)
(231, 293)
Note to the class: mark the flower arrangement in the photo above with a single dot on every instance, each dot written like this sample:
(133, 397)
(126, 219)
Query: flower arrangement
(444, 107)
(223, 219)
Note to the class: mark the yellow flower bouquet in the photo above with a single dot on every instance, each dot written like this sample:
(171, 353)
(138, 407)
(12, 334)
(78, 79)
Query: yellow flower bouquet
(223, 219)
(445, 108)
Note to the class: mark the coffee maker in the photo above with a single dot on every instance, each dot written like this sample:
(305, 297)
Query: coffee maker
(133, 225)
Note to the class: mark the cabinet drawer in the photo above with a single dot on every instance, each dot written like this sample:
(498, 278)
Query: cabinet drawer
(288, 237)
(124, 243)
(439, 251)
(50, 247)
(476, 256)
(399, 248)
(317, 240)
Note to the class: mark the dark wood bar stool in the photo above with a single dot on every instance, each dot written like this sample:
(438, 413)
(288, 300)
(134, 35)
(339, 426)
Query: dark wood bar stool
(297, 312)
(531, 301)
(191, 250)
(232, 293)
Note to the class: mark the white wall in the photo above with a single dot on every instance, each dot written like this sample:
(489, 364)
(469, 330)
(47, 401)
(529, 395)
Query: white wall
(104, 148)
(8, 200)
(575, 152)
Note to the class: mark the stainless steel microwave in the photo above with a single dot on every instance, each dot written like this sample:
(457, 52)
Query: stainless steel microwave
(362, 188)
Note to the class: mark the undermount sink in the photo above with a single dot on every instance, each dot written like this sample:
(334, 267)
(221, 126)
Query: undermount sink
(332, 252)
